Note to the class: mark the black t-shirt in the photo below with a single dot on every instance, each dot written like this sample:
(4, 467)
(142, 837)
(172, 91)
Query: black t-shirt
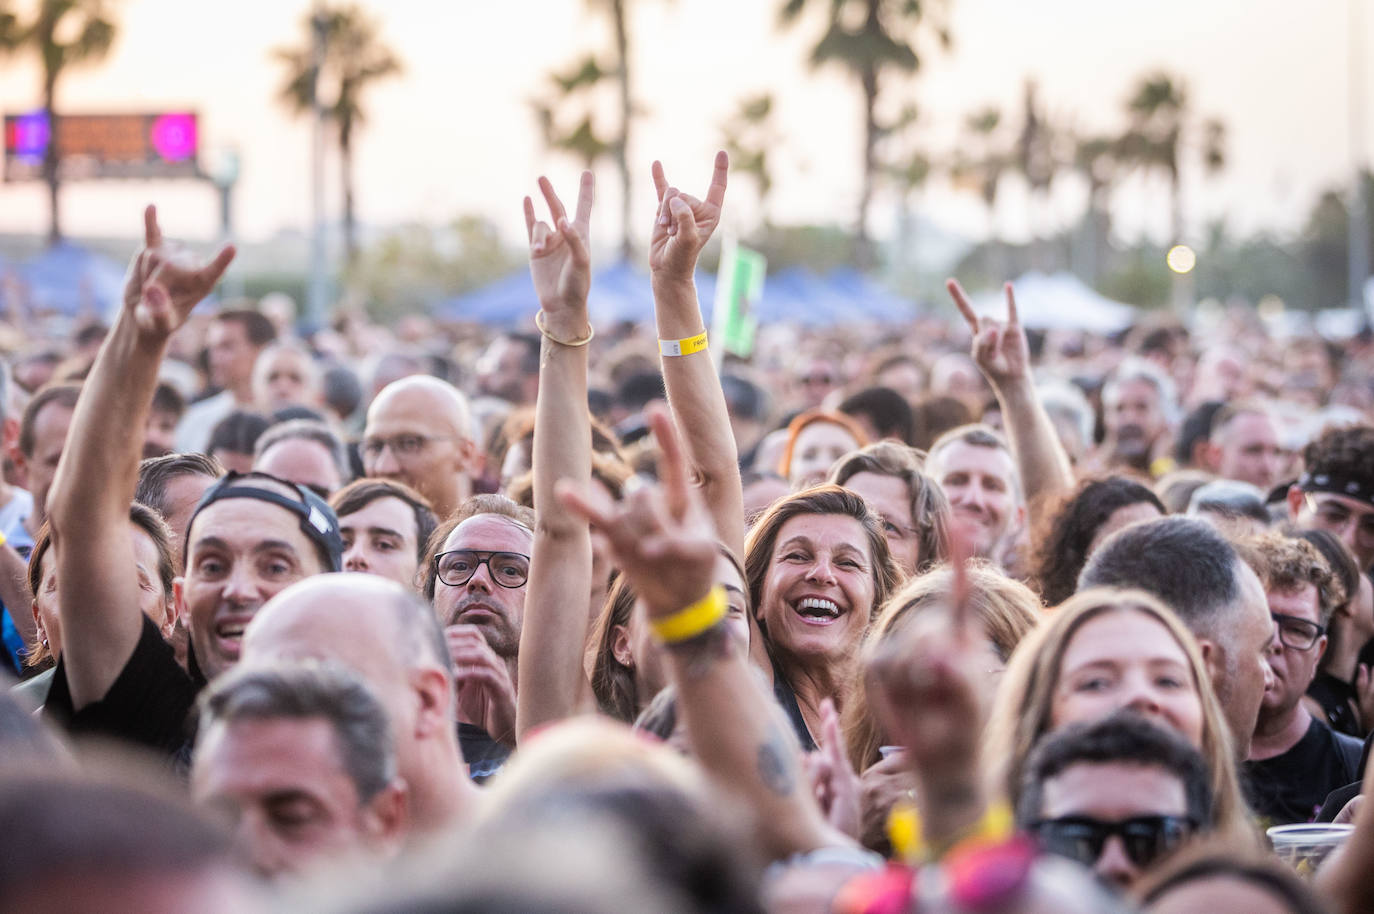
(1334, 695)
(484, 755)
(782, 691)
(150, 703)
(1291, 788)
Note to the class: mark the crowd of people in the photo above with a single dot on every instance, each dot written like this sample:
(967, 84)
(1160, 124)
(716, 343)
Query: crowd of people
(953, 616)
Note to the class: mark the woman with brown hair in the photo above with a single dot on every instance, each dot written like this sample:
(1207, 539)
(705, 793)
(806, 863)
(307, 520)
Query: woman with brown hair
(913, 507)
(818, 568)
(1102, 650)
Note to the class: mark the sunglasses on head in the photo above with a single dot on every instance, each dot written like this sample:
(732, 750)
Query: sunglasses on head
(1080, 838)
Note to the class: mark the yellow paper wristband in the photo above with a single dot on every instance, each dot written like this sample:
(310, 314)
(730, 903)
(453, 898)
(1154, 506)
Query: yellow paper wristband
(696, 619)
(683, 347)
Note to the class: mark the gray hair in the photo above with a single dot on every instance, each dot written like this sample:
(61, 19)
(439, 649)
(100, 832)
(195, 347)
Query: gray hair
(1137, 369)
(305, 430)
(1064, 399)
(308, 691)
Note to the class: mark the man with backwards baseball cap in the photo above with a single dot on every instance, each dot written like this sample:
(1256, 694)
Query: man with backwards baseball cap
(250, 536)
(1336, 490)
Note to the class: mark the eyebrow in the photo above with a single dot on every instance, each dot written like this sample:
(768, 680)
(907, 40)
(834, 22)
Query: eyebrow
(374, 530)
(215, 542)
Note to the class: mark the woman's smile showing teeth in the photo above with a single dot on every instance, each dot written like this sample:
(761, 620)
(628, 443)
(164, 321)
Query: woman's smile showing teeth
(818, 610)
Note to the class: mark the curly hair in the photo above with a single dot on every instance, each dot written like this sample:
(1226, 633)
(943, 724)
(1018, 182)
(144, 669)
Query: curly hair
(1346, 452)
(1071, 527)
(1287, 563)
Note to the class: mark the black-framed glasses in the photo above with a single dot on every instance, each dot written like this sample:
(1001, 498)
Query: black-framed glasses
(401, 445)
(456, 567)
(1081, 838)
(1296, 632)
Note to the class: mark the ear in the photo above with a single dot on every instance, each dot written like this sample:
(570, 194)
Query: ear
(1212, 659)
(172, 611)
(471, 458)
(435, 701)
(1211, 456)
(1295, 502)
(1320, 648)
(38, 622)
(178, 610)
(386, 818)
(21, 466)
(620, 646)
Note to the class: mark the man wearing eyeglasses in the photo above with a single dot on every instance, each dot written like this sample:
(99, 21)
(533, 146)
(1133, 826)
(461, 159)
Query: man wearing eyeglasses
(1295, 759)
(475, 577)
(1336, 490)
(419, 432)
(1117, 795)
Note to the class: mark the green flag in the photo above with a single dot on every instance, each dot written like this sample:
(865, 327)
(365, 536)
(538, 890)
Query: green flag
(739, 284)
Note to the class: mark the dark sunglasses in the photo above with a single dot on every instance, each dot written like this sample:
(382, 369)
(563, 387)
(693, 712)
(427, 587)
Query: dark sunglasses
(1146, 838)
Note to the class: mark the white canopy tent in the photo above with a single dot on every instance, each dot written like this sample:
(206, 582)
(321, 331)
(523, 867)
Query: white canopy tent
(1057, 301)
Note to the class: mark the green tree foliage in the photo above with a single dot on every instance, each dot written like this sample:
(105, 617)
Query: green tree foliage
(577, 88)
(872, 40)
(413, 266)
(750, 135)
(355, 57)
(61, 34)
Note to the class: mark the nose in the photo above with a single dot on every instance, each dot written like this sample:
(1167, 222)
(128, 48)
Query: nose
(355, 559)
(481, 579)
(1113, 865)
(821, 570)
(1144, 700)
(241, 584)
(385, 463)
(255, 843)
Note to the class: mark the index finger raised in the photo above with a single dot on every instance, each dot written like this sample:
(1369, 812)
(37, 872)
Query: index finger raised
(672, 468)
(961, 302)
(152, 234)
(551, 198)
(715, 194)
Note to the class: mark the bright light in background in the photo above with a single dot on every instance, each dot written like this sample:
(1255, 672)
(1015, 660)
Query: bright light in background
(1181, 259)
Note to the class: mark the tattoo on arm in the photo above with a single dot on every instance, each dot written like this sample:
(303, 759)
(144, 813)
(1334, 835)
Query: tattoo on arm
(776, 768)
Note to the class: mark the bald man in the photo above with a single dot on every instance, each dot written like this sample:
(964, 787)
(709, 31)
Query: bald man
(391, 639)
(419, 432)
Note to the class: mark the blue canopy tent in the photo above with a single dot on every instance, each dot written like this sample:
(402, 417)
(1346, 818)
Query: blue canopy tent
(72, 280)
(870, 299)
(620, 292)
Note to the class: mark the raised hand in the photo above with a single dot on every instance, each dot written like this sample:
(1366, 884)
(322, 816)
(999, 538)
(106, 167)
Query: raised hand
(833, 780)
(482, 681)
(162, 285)
(928, 684)
(559, 260)
(660, 536)
(683, 224)
(1000, 349)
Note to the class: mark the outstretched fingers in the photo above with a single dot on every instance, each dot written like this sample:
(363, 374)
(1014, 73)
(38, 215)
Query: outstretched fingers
(715, 194)
(586, 196)
(1012, 319)
(210, 273)
(529, 219)
(152, 233)
(961, 302)
(555, 205)
(660, 180)
(672, 464)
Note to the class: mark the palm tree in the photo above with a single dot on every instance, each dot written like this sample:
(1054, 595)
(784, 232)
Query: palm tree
(582, 139)
(870, 38)
(1099, 159)
(354, 59)
(1155, 139)
(62, 34)
(748, 136)
(982, 169)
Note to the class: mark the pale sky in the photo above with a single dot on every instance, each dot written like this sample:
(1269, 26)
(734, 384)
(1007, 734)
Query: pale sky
(455, 133)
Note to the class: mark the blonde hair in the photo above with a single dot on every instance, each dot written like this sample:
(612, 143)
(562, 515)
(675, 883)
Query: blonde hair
(1006, 611)
(1021, 711)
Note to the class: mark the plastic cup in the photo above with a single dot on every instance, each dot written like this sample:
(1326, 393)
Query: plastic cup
(1304, 847)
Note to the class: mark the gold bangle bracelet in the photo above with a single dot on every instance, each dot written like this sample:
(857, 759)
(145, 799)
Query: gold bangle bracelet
(539, 322)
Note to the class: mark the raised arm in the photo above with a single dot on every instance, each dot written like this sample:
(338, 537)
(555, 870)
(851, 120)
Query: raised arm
(551, 678)
(1003, 355)
(663, 539)
(88, 505)
(683, 226)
